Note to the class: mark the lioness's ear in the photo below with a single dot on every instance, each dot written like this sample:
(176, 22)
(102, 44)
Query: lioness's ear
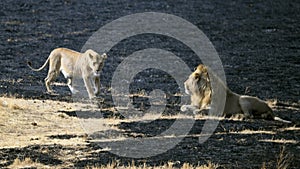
(104, 55)
(91, 56)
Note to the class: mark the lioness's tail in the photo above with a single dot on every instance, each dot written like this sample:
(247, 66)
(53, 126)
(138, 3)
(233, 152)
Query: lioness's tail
(39, 69)
(279, 119)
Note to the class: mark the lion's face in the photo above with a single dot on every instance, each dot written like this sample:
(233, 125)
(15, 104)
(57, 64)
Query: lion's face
(198, 86)
(197, 82)
(96, 62)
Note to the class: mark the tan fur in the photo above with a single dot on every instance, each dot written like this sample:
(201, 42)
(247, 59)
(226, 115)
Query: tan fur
(71, 63)
(248, 106)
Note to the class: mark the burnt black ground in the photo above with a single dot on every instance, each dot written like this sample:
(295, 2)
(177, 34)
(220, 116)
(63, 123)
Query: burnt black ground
(258, 43)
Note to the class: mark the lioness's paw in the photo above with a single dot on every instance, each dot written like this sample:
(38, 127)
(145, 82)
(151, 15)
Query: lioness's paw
(52, 92)
(92, 97)
(74, 91)
(96, 92)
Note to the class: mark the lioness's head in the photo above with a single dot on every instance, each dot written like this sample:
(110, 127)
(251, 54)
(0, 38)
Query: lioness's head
(96, 61)
(198, 81)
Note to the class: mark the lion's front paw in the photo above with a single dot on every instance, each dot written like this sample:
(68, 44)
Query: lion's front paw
(190, 108)
(184, 108)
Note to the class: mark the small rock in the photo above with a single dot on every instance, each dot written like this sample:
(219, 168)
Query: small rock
(34, 139)
(34, 123)
(4, 103)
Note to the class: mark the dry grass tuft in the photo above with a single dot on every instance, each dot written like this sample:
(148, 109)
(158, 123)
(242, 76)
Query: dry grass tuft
(284, 159)
(264, 166)
(209, 165)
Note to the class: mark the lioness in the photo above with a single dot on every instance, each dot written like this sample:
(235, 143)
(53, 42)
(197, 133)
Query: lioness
(71, 63)
(248, 106)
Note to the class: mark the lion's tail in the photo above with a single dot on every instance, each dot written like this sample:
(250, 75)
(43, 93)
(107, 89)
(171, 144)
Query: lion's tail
(280, 119)
(39, 69)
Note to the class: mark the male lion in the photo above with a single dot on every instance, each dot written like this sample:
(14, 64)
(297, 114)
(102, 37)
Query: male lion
(199, 87)
(71, 63)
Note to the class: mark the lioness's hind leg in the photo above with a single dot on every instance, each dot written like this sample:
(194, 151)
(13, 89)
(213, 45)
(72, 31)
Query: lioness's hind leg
(49, 79)
(69, 83)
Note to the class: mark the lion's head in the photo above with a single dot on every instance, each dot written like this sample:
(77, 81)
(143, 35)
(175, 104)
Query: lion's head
(198, 86)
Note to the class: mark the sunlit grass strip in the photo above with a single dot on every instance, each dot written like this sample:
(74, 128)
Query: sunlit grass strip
(282, 141)
(168, 165)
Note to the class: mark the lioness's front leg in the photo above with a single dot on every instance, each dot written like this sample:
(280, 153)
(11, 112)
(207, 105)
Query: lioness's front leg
(97, 84)
(88, 85)
(70, 85)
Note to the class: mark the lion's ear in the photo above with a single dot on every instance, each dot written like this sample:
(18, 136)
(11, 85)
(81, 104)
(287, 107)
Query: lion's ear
(197, 76)
(207, 77)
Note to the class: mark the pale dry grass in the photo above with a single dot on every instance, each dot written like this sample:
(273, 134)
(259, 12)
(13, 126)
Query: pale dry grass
(26, 163)
(26, 122)
(281, 141)
(168, 165)
(293, 128)
(248, 131)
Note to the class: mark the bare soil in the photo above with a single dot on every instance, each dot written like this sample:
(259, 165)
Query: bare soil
(258, 43)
